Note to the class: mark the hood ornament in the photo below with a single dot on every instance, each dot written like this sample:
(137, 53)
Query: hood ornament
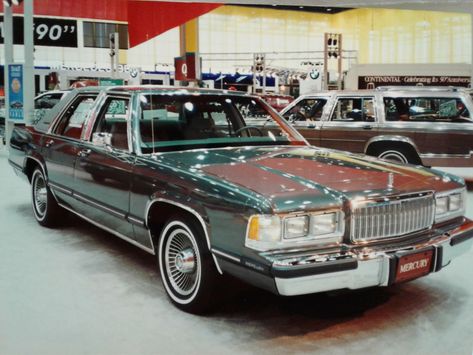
(390, 180)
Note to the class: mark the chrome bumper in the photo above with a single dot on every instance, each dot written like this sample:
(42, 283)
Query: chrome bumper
(366, 268)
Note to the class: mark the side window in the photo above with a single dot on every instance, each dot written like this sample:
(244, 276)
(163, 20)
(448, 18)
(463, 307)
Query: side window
(306, 110)
(425, 109)
(113, 120)
(47, 101)
(360, 109)
(72, 122)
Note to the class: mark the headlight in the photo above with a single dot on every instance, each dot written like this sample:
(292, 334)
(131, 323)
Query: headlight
(296, 227)
(266, 232)
(449, 205)
(324, 224)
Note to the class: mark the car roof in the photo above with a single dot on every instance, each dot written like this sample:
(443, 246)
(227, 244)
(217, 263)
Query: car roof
(394, 90)
(171, 90)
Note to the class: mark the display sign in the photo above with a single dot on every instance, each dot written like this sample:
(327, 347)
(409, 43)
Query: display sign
(47, 32)
(181, 68)
(373, 81)
(15, 95)
(110, 82)
(133, 72)
(187, 67)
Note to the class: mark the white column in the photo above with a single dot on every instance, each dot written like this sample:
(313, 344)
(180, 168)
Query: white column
(28, 69)
(8, 46)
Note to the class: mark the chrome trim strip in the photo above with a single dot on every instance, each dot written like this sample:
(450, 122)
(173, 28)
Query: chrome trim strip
(136, 221)
(433, 155)
(188, 209)
(60, 189)
(98, 205)
(225, 255)
(119, 235)
(344, 140)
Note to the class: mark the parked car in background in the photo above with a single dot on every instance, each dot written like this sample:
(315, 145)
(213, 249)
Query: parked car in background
(180, 174)
(46, 101)
(42, 104)
(276, 101)
(418, 125)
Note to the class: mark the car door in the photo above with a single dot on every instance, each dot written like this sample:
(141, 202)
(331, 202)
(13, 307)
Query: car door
(62, 144)
(351, 124)
(306, 116)
(439, 125)
(103, 173)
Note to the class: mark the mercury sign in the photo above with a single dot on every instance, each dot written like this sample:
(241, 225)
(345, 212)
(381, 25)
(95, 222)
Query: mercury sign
(15, 96)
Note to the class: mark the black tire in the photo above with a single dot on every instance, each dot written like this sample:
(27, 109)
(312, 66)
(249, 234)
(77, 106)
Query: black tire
(45, 208)
(187, 271)
(400, 155)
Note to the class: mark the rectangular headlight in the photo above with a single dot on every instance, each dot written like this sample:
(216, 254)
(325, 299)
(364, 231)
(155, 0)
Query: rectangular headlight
(441, 205)
(456, 202)
(296, 227)
(267, 232)
(324, 224)
(449, 205)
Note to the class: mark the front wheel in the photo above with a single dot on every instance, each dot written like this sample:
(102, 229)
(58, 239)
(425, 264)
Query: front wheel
(186, 266)
(46, 210)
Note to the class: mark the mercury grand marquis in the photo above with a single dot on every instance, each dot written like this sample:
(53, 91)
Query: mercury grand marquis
(181, 174)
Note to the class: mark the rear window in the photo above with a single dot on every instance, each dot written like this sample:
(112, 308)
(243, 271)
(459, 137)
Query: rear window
(426, 109)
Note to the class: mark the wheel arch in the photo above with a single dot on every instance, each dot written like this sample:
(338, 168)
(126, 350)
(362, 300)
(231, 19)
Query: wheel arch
(159, 210)
(375, 143)
(30, 165)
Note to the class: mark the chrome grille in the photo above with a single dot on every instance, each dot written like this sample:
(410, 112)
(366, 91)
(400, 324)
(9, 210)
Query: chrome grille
(392, 218)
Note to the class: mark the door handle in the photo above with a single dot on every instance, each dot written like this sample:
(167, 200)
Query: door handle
(84, 153)
(367, 127)
(49, 143)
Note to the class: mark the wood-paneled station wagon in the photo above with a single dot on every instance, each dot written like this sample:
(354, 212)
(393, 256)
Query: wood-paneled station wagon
(180, 174)
(417, 125)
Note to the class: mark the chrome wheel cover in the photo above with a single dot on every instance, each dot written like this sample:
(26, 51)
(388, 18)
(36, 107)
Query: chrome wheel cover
(182, 262)
(393, 155)
(40, 195)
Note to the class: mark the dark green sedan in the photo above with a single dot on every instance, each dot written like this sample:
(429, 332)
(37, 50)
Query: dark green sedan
(184, 175)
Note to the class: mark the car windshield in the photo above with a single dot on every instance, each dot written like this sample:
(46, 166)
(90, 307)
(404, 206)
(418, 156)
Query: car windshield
(182, 122)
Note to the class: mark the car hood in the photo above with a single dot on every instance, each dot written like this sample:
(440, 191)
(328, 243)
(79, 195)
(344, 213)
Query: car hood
(291, 178)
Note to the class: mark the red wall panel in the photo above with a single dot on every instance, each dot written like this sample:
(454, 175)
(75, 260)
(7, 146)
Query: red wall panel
(113, 10)
(147, 19)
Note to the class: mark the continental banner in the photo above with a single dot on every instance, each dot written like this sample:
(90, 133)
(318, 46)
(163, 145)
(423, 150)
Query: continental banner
(373, 81)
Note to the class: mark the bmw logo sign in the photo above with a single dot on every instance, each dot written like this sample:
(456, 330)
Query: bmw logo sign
(314, 74)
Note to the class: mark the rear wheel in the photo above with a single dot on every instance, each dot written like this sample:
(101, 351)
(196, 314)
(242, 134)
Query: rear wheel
(185, 264)
(398, 154)
(46, 210)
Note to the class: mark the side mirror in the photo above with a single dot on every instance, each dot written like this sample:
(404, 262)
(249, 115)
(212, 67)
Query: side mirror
(102, 139)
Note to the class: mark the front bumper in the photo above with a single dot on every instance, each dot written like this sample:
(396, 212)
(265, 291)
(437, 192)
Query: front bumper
(366, 267)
